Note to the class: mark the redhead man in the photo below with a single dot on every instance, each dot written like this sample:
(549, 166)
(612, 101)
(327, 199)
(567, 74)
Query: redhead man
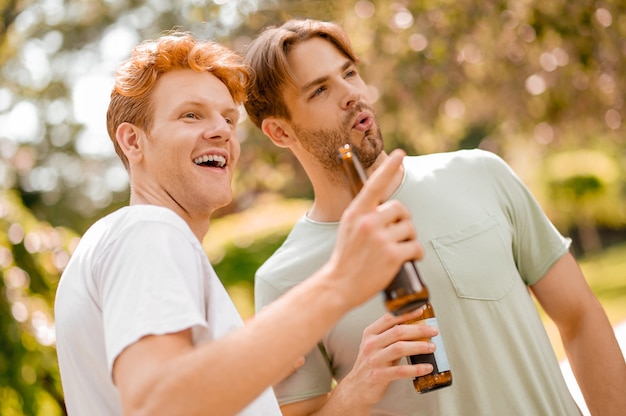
(487, 246)
(144, 326)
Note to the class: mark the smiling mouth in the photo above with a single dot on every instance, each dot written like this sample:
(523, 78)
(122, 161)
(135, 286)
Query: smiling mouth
(213, 161)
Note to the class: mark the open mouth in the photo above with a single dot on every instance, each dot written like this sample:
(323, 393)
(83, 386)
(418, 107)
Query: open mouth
(363, 122)
(213, 161)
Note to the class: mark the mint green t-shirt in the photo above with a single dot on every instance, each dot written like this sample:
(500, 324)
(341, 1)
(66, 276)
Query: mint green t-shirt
(485, 239)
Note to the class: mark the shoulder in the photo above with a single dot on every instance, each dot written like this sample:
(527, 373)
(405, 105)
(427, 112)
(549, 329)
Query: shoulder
(137, 223)
(458, 158)
(457, 166)
(304, 251)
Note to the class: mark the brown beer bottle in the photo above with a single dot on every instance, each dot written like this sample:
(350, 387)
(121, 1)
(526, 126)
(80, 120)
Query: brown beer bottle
(406, 292)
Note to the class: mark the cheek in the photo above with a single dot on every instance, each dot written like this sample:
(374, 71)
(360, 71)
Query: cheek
(371, 94)
(236, 152)
(322, 121)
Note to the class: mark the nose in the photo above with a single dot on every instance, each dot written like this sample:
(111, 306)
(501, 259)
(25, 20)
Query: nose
(350, 97)
(217, 128)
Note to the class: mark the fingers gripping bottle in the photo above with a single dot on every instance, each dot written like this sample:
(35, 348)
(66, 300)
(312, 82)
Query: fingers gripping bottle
(405, 293)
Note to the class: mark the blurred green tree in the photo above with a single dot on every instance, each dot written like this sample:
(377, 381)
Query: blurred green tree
(32, 255)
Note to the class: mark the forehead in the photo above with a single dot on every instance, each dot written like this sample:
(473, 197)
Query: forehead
(184, 85)
(314, 58)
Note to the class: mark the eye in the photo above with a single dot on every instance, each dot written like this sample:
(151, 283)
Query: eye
(350, 74)
(192, 116)
(318, 91)
(231, 118)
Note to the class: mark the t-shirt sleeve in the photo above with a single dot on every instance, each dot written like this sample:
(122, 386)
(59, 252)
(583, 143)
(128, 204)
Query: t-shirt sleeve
(537, 244)
(313, 378)
(150, 284)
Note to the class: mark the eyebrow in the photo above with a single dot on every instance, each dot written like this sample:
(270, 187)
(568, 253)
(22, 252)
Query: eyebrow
(323, 78)
(198, 103)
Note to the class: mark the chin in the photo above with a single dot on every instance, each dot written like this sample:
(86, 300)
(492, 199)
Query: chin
(223, 202)
(215, 198)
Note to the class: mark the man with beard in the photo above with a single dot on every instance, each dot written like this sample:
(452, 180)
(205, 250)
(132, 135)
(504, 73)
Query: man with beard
(488, 244)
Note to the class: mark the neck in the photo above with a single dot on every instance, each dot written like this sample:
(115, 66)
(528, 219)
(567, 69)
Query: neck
(332, 196)
(330, 202)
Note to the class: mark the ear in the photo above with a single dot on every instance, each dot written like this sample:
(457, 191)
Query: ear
(128, 137)
(279, 131)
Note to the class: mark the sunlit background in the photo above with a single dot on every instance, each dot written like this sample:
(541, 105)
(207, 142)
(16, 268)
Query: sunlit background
(541, 83)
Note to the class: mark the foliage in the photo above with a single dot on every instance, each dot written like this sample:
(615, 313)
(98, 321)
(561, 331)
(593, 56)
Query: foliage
(605, 272)
(525, 79)
(32, 254)
(533, 81)
(238, 244)
(586, 187)
(539, 82)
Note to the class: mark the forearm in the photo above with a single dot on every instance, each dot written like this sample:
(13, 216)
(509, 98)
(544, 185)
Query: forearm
(343, 400)
(227, 374)
(598, 363)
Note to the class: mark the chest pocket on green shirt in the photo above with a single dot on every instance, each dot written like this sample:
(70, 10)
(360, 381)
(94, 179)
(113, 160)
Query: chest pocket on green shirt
(478, 260)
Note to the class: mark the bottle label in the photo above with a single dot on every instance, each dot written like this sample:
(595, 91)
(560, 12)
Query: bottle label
(440, 352)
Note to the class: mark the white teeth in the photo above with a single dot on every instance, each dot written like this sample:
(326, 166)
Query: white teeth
(218, 160)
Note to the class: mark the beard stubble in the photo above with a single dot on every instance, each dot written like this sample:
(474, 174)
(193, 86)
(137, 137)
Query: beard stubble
(323, 144)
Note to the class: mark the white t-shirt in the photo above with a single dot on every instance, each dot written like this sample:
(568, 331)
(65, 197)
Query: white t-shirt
(485, 240)
(138, 271)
